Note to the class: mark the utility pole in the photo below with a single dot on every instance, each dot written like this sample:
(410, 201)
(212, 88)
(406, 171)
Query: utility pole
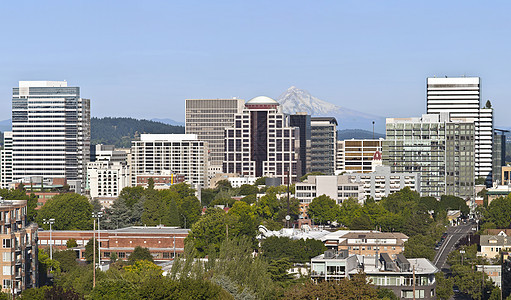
(373, 130)
(94, 253)
(413, 278)
(50, 222)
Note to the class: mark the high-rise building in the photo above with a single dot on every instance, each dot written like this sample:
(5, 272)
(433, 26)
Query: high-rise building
(208, 118)
(50, 131)
(182, 154)
(441, 150)
(303, 122)
(19, 247)
(6, 161)
(356, 155)
(323, 154)
(499, 154)
(262, 143)
(461, 98)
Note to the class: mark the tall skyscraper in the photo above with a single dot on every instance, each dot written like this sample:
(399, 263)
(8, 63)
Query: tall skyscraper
(441, 150)
(50, 131)
(208, 118)
(323, 154)
(261, 142)
(461, 98)
(303, 122)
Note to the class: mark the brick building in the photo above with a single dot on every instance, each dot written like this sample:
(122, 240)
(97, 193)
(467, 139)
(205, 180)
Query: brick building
(19, 247)
(163, 242)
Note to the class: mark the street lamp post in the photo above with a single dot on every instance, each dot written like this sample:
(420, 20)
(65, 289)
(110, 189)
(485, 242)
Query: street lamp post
(94, 216)
(50, 222)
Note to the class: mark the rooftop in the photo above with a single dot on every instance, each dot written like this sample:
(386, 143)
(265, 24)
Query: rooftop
(262, 100)
(167, 137)
(42, 84)
(495, 240)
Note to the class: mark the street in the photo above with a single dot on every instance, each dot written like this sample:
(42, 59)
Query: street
(453, 235)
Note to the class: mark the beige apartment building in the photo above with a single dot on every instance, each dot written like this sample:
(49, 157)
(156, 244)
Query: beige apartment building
(19, 247)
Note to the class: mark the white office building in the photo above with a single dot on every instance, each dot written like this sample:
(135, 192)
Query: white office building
(461, 98)
(108, 174)
(182, 154)
(50, 131)
(6, 161)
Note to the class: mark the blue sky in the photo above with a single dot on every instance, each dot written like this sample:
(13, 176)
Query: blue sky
(143, 58)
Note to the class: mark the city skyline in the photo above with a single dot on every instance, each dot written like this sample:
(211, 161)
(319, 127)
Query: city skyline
(374, 57)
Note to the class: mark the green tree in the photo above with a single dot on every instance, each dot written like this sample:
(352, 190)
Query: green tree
(70, 211)
(260, 181)
(355, 288)
(67, 259)
(444, 286)
(71, 243)
(89, 251)
(419, 246)
(323, 209)
(140, 254)
(499, 212)
(349, 210)
(488, 104)
(247, 189)
(155, 209)
(224, 185)
(131, 195)
(210, 231)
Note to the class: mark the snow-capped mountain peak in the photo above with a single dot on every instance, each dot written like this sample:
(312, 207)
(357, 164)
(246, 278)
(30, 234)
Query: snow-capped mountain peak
(295, 100)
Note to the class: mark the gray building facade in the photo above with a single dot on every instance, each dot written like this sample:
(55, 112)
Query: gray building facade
(441, 150)
(323, 154)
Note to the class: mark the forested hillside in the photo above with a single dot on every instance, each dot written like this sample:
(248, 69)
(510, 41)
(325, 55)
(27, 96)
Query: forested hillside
(346, 134)
(121, 131)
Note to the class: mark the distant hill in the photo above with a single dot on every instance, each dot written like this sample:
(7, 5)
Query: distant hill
(5, 125)
(346, 134)
(169, 122)
(121, 131)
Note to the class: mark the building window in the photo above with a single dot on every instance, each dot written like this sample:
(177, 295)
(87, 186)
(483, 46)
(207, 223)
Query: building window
(7, 256)
(6, 243)
(106, 254)
(121, 254)
(166, 255)
(6, 284)
(7, 270)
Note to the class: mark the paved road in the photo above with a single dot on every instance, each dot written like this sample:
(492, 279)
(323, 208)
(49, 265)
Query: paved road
(453, 235)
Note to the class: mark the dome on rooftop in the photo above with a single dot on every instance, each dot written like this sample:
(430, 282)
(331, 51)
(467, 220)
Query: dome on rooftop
(262, 100)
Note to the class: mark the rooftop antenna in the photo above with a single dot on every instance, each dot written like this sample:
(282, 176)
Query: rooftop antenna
(373, 130)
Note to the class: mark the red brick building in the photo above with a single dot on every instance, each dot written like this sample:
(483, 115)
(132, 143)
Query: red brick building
(163, 242)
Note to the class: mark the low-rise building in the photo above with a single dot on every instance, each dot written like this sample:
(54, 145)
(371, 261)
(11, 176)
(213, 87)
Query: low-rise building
(356, 155)
(161, 180)
(494, 272)
(490, 245)
(407, 278)
(19, 247)
(366, 243)
(339, 188)
(497, 192)
(163, 242)
(383, 182)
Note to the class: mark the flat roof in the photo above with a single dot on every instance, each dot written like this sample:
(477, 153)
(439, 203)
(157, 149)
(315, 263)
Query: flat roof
(133, 229)
(145, 137)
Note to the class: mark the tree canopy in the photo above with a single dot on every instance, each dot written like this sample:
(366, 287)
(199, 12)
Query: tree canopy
(71, 212)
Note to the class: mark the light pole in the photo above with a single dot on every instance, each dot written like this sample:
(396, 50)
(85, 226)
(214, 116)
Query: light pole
(50, 221)
(462, 252)
(94, 216)
(99, 215)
